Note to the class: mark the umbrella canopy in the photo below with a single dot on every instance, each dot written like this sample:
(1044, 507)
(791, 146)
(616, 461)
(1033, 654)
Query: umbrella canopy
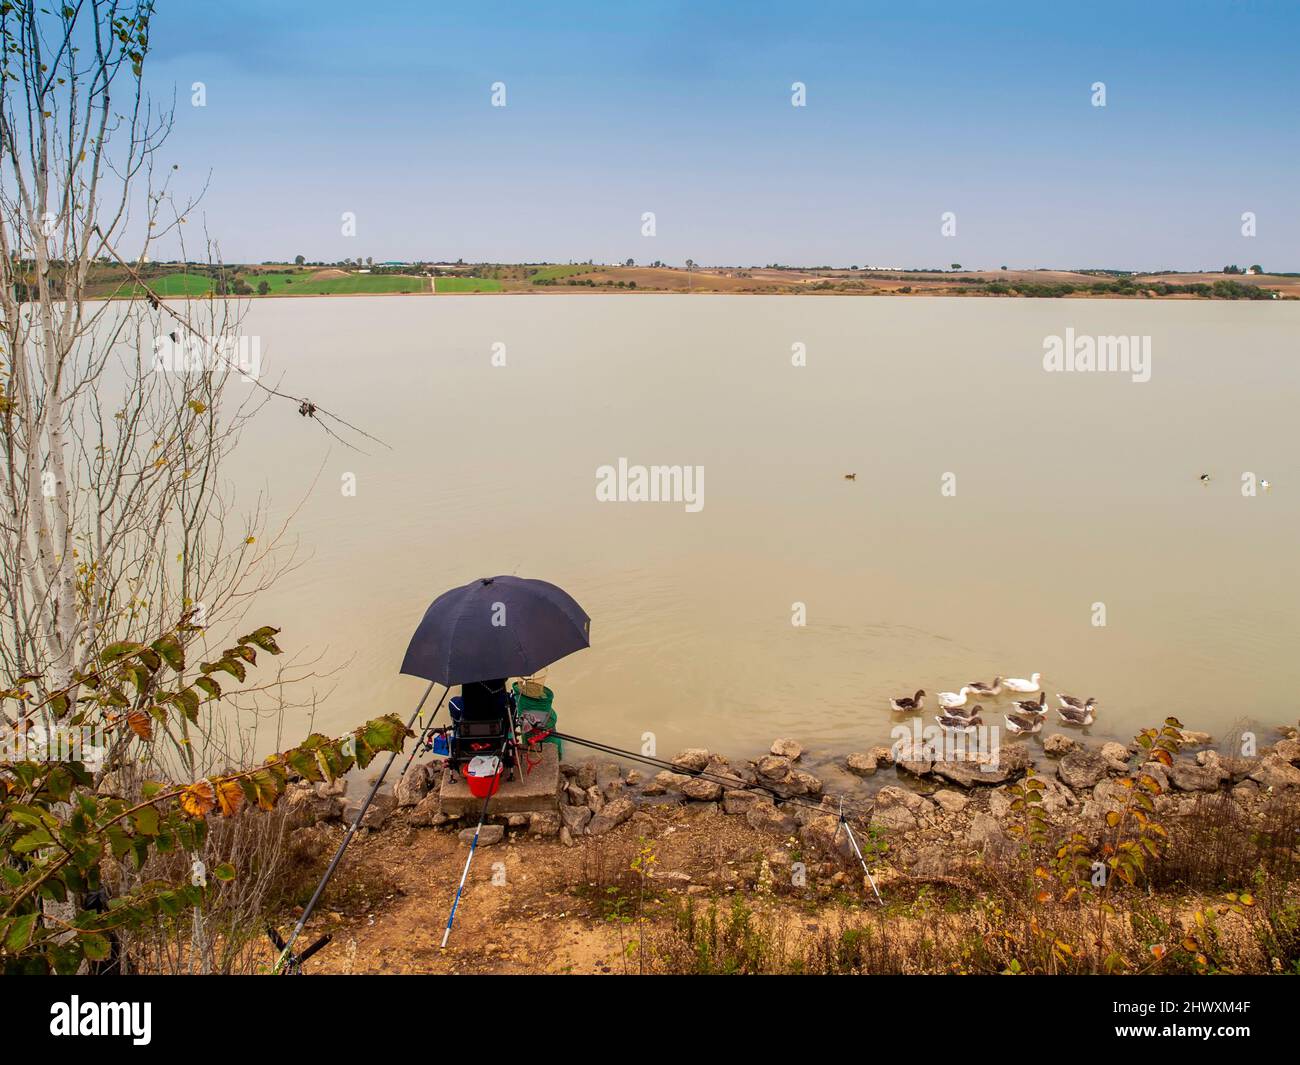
(496, 627)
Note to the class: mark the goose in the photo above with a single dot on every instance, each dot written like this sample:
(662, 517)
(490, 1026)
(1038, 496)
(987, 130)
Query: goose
(1079, 718)
(960, 711)
(951, 700)
(1076, 703)
(850, 476)
(1033, 706)
(980, 688)
(1019, 684)
(1024, 723)
(904, 705)
(1205, 478)
(951, 723)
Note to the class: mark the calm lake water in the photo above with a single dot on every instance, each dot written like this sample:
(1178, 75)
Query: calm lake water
(1071, 490)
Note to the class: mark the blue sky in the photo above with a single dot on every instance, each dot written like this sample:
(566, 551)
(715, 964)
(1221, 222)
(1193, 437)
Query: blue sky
(913, 109)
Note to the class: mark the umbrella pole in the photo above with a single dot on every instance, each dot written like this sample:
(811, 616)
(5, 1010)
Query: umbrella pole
(465, 872)
(347, 838)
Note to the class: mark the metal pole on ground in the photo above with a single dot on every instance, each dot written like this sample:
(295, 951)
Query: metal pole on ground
(853, 840)
(469, 858)
(347, 838)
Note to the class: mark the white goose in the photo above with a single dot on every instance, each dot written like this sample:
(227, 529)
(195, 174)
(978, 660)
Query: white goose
(951, 700)
(1019, 684)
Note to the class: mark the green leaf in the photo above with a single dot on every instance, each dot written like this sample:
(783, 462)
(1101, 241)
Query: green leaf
(224, 871)
(96, 947)
(145, 820)
(188, 701)
(32, 841)
(263, 638)
(171, 651)
(228, 665)
(20, 933)
(210, 686)
(114, 651)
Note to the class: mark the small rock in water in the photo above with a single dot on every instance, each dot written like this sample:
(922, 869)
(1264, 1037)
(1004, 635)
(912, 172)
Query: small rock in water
(1059, 744)
(861, 764)
(786, 748)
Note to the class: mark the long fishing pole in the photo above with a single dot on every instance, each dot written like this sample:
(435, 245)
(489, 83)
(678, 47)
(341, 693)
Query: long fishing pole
(733, 783)
(469, 858)
(347, 838)
(424, 732)
(607, 749)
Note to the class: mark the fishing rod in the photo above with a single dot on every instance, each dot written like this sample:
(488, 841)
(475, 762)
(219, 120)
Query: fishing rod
(470, 857)
(424, 735)
(347, 838)
(727, 782)
(607, 749)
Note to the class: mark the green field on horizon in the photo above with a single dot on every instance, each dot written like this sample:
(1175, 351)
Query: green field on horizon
(300, 283)
(466, 284)
(556, 273)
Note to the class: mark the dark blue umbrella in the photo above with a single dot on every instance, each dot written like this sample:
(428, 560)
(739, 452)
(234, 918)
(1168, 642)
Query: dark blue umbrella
(496, 627)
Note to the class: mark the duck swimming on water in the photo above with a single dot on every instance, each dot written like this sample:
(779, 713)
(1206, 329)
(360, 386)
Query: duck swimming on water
(978, 687)
(1076, 703)
(904, 705)
(956, 723)
(1019, 684)
(1024, 723)
(1079, 718)
(1033, 706)
(951, 700)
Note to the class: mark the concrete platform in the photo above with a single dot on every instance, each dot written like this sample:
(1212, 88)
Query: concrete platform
(537, 792)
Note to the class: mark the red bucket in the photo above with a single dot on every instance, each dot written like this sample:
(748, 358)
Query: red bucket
(483, 775)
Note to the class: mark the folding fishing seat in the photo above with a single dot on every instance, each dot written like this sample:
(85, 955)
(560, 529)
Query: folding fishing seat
(481, 715)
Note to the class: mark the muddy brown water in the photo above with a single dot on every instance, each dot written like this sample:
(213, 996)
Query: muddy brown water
(1074, 492)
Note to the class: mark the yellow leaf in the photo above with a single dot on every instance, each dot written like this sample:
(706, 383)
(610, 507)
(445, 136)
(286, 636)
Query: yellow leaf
(141, 724)
(230, 796)
(197, 799)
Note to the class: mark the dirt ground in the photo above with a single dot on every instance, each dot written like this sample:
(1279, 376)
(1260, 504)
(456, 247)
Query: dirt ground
(529, 905)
